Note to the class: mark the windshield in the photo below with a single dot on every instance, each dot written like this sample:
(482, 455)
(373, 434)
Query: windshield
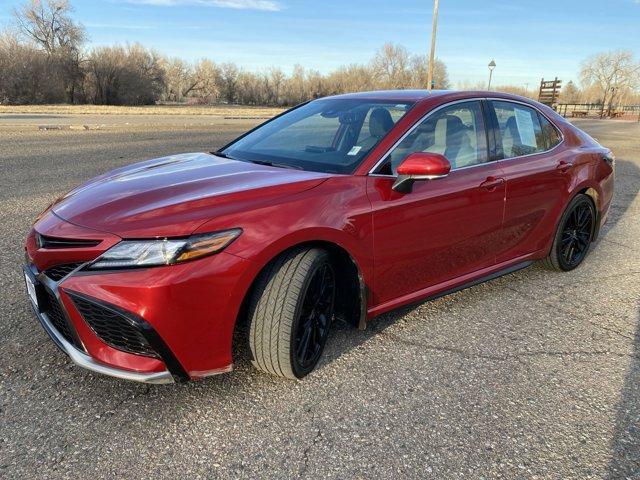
(330, 135)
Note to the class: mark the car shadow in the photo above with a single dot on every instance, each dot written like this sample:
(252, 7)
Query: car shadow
(625, 444)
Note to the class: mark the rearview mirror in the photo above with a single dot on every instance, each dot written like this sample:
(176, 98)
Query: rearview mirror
(420, 166)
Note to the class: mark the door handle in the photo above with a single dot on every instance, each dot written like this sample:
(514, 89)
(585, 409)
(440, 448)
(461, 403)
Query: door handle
(491, 183)
(564, 166)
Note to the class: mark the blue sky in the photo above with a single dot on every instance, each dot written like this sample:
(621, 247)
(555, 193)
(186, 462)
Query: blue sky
(528, 39)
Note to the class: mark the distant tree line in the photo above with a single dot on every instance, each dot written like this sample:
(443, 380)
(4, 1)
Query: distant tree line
(43, 59)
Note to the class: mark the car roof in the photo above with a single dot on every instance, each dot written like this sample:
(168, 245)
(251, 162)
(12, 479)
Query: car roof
(394, 95)
(420, 95)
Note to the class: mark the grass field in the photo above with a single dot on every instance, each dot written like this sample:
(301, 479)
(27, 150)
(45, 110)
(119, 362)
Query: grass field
(215, 110)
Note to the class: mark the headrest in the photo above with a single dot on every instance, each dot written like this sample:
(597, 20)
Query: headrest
(380, 122)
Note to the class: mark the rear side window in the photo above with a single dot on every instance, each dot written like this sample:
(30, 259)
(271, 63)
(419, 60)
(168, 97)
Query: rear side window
(520, 129)
(552, 137)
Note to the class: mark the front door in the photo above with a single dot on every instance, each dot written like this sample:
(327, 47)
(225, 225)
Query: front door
(444, 228)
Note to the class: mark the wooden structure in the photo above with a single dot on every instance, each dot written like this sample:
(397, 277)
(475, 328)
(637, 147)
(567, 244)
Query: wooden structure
(549, 91)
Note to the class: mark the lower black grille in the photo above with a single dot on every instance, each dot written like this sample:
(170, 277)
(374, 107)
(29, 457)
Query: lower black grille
(112, 328)
(58, 272)
(57, 317)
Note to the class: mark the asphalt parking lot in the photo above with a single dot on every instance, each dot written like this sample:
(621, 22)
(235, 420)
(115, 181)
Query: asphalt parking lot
(533, 375)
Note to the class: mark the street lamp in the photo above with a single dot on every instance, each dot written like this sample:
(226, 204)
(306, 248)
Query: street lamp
(492, 65)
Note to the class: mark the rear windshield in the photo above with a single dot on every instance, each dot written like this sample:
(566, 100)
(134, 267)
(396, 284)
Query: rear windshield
(328, 135)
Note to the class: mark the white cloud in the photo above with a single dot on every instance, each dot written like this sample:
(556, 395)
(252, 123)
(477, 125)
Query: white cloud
(267, 5)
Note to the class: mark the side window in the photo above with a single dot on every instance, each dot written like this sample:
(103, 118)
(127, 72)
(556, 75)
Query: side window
(520, 129)
(551, 135)
(457, 132)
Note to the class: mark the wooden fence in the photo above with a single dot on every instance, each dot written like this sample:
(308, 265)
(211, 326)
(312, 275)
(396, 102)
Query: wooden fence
(598, 110)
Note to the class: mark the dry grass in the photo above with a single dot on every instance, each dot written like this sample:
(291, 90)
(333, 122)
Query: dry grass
(215, 110)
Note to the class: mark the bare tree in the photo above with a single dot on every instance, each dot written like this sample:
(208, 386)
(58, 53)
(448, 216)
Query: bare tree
(612, 73)
(178, 76)
(207, 81)
(131, 75)
(419, 66)
(230, 74)
(390, 66)
(48, 24)
(570, 93)
(24, 74)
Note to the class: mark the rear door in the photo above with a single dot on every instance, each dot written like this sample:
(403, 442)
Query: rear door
(444, 228)
(536, 173)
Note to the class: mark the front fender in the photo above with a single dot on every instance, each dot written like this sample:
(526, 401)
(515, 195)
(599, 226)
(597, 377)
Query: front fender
(337, 212)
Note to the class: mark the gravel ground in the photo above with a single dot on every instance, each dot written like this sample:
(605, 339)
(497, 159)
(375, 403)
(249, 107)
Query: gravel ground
(533, 375)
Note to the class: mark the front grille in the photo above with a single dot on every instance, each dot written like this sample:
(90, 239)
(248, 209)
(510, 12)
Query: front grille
(112, 328)
(53, 242)
(58, 272)
(58, 319)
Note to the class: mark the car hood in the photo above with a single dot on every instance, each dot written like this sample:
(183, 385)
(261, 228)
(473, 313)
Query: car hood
(172, 196)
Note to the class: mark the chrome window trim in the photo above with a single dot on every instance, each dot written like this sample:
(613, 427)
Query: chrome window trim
(471, 99)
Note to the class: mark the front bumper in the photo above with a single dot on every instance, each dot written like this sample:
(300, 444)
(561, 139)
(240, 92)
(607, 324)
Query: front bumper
(185, 312)
(81, 358)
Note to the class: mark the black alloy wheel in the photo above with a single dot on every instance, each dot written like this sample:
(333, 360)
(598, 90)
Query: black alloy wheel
(314, 319)
(575, 233)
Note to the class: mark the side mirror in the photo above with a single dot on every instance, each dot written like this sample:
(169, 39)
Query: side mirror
(420, 166)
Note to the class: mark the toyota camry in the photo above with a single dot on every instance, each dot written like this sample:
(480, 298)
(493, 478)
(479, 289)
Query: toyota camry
(341, 208)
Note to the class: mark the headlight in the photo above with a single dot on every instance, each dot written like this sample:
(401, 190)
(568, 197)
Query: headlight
(151, 253)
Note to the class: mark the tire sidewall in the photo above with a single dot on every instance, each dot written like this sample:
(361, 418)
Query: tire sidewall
(296, 368)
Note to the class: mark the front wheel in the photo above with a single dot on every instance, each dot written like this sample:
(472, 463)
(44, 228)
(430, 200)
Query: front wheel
(291, 311)
(574, 235)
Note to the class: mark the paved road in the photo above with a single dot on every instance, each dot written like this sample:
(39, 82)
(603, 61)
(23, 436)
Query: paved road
(32, 121)
(533, 375)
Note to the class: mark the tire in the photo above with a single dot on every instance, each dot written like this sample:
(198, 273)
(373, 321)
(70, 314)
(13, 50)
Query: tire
(560, 257)
(282, 317)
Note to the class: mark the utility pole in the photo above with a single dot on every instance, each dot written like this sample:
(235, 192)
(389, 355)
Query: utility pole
(432, 55)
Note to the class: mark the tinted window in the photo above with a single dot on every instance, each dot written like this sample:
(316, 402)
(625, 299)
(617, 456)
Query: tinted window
(457, 132)
(552, 137)
(329, 135)
(520, 129)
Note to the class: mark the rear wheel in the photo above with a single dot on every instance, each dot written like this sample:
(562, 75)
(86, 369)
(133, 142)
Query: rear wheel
(291, 311)
(574, 235)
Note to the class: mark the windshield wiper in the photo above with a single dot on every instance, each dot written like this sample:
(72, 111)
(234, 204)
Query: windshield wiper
(223, 155)
(259, 162)
(273, 164)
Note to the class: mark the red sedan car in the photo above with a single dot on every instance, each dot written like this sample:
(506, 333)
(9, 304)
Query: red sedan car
(341, 208)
